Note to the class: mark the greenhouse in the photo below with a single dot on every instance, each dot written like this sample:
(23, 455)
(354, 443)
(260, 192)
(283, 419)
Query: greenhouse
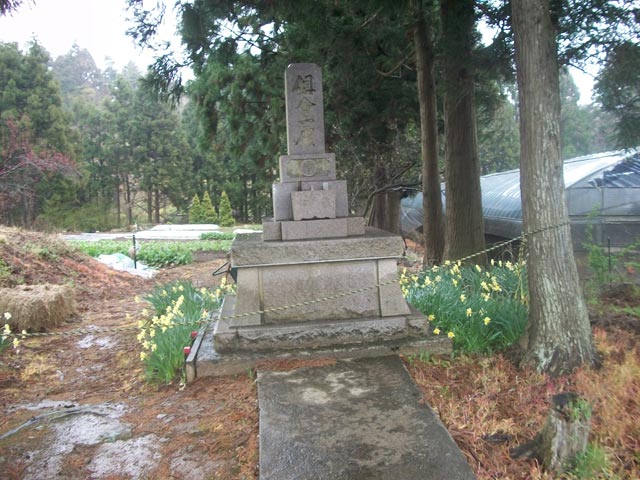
(603, 197)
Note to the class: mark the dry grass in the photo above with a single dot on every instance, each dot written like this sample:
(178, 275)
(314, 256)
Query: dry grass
(490, 406)
(37, 307)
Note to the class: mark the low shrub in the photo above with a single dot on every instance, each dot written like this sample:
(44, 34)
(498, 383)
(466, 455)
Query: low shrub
(481, 310)
(165, 254)
(225, 213)
(217, 236)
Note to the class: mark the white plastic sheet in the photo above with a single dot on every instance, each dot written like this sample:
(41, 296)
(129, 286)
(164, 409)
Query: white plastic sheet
(122, 263)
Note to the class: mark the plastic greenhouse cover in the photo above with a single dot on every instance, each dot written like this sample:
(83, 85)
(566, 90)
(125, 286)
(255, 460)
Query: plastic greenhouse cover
(501, 191)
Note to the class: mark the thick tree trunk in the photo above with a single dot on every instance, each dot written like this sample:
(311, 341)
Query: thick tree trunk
(433, 220)
(558, 336)
(464, 224)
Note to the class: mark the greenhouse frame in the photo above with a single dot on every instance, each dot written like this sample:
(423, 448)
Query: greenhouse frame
(603, 198)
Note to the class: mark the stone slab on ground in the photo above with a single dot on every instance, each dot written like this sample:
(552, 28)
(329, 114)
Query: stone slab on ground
(356, 419)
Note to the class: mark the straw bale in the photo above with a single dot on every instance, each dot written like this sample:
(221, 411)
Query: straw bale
(37, 307)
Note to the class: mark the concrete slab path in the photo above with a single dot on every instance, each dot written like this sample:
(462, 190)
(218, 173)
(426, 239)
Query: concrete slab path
(357, 419)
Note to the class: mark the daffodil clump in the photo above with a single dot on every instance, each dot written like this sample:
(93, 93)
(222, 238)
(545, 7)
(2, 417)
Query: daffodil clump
(179, 309)
(481, 310)
(7, 337)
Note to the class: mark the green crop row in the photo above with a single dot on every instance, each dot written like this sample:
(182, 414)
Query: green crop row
(154, 254)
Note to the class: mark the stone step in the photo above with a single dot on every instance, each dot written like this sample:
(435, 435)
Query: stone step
(356, 419)
(205, 361)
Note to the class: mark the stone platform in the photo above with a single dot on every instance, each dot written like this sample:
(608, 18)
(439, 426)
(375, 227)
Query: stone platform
(205, 361)
(354, 420)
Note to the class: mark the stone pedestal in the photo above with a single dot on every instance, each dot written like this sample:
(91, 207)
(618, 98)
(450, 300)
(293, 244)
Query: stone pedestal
(315, 280)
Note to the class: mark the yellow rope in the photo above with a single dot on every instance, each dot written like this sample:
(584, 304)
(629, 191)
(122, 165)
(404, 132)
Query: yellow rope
(134, 326)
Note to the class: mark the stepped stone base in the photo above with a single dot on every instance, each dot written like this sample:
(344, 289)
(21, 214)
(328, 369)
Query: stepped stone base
(375, 321)
(313, 334)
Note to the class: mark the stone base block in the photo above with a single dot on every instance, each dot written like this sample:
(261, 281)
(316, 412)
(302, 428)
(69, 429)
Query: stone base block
(355, 226)
(313, 278)
(205, 361)
(313, 204)
(249, 249)
(230, 337)
(271, 231)
(310, 229)
(308, 167)
(282, 206)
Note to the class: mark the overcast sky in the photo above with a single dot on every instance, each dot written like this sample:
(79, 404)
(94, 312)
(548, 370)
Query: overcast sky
(100, 26)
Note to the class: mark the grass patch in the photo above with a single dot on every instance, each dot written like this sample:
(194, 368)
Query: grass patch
(481, 310)
(593, 463)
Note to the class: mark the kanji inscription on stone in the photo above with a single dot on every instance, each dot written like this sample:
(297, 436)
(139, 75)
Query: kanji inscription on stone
(305, 113)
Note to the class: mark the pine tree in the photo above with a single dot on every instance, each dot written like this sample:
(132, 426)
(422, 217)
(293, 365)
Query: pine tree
(195, 212)
(208, 212)
(225, 218)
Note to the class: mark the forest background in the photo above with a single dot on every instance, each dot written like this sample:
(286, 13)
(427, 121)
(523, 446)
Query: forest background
(91, 149)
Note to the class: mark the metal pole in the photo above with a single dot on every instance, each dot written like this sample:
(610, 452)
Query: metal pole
(609, 252)
(135, 254)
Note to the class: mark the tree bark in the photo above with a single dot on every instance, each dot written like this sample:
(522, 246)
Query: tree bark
(385, 212)
(128, 201)
(464, 220)
(118, 208)
(157, 205)
(149, 205)
(558, 336)
(433, 220)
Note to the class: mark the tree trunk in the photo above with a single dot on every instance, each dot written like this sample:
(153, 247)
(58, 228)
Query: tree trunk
(464, 224)
(118, 208)
(149, 205)
(385, 212)
(558, 335)
(433, 220)
(157, 206)
(128, 202)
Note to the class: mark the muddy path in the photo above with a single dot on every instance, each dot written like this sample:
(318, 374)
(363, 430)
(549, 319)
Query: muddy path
(78, 407)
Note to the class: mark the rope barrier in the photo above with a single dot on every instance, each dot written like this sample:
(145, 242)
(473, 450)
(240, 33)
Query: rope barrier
(136, 326)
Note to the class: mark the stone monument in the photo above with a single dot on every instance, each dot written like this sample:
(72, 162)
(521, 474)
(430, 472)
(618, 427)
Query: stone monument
(312, 249)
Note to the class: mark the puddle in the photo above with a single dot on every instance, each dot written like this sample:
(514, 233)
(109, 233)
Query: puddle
(45, 404)
(77, 425)
(196, 464)
(135, 458)
(99, 342)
